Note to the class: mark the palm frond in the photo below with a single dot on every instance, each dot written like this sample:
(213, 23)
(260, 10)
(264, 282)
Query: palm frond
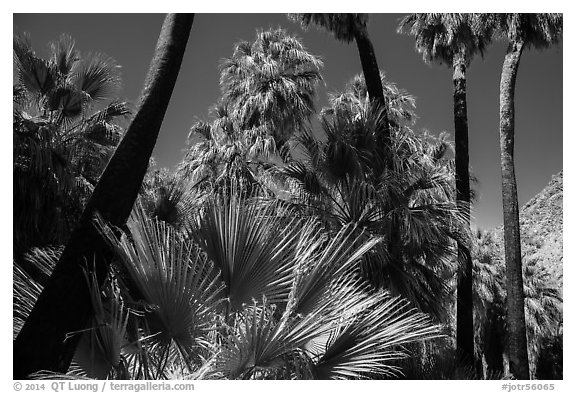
(321, 262)
(368, 344)
(35, 74)
(252, 247)
(64, 54)
(174, 277)
(98, 76)
(99, 349)
(25, 292)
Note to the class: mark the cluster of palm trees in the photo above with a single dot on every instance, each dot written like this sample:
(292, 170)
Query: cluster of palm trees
(278, 249)
(453, 39)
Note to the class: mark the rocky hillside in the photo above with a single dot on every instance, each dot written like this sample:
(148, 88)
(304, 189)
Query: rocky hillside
(541, 227)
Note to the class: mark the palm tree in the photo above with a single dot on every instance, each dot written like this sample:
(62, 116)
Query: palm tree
(268, 87)
(453, 39)
(348, 28)
(521, 31)
(342, 179)
(64, 304)
(268, 90)
(65, 128)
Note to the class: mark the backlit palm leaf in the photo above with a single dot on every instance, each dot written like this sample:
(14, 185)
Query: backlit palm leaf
(175, 279)
(324, 293)
(64, 54)
(25, 292)
(369, 343)
(322, 260)
(253, 248)
(37, 75)
(27, 288)
(98, 77)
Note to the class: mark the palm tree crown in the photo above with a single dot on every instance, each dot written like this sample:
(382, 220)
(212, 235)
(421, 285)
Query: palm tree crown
(269, 85)
(534, 30)
(443, 37)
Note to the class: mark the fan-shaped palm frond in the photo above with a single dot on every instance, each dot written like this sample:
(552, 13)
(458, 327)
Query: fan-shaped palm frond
(368, 344)
(321, 262)
(326, 298)
(97, 76)
(25, 292)
(28, 279)
(38, 76)
(252, 246)
(175, 279)
(99, 349)
(357, 335)
(64, 54)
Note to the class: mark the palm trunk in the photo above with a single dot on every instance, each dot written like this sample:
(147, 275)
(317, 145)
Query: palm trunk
(371, 73)
(464, 306)
(64, 306)
(494, 343)
(517, 344)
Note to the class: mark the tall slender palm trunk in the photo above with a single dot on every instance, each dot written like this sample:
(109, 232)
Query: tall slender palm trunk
(371, 73)
(464, 306)
(517, 343)
(369, 64)
(48, 340)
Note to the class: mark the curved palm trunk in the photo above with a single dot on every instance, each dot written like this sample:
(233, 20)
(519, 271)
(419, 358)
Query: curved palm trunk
(371, 72)
(64, 305)
(517, 345)
(464, 307)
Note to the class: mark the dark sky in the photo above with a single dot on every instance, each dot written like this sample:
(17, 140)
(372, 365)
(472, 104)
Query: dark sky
(130, 39)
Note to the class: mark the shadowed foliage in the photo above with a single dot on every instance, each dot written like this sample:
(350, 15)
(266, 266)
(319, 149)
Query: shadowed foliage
(65, 126)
